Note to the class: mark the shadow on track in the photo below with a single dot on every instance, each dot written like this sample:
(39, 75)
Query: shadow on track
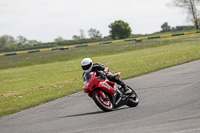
(83, 114)
(92, 113)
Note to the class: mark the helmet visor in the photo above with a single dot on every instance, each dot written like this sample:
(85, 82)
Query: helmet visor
(86, 67)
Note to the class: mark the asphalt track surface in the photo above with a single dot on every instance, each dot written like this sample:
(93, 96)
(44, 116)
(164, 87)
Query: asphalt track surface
(169, 103)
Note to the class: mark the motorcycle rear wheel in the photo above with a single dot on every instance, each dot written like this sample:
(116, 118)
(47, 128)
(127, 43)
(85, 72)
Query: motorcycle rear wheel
(101, 103)
(133, 99)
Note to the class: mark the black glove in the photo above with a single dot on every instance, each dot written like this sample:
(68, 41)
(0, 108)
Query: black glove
(103, 74)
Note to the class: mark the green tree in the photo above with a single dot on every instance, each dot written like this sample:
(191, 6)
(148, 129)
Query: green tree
(21, 39)
(165, 27)
(2, 41)
(7, 40)
(75, 37)
(93, 33)
(119, 30)
(59, 39)
(31, 42)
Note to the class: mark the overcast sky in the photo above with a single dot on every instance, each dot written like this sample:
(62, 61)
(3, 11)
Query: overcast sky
(45, 20)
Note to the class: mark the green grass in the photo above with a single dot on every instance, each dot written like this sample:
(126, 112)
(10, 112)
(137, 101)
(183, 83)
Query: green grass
(30, 80)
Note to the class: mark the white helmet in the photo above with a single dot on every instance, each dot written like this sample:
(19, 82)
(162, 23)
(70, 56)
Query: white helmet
(86, 64)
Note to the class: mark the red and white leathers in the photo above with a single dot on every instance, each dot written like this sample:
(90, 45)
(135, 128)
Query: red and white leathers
(97, 67)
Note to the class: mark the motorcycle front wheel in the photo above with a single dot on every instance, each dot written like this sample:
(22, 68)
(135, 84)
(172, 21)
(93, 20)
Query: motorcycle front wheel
(105, 105)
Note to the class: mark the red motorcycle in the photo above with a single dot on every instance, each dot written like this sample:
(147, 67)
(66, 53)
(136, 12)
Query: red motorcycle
(106, 94)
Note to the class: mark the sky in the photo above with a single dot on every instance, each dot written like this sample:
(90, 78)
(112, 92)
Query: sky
(46, 20)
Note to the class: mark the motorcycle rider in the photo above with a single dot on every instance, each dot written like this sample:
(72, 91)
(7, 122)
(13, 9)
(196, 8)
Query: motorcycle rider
(88, 66)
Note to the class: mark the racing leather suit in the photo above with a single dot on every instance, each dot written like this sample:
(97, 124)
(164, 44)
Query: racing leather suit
(100, 67)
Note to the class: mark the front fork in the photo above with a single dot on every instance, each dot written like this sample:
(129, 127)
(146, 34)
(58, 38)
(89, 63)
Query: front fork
(102, 95)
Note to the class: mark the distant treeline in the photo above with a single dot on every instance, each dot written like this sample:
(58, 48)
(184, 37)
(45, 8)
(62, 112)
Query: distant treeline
(166, 28)
(181, 28)
(7, 44)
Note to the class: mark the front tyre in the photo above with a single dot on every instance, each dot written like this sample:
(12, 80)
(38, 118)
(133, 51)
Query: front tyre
(133, 99)
(105, 105)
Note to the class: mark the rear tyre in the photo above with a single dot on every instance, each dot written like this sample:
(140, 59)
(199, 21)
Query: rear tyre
(133, 99)
(105, 105)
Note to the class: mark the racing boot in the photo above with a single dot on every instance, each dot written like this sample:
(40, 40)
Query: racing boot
(126, 90)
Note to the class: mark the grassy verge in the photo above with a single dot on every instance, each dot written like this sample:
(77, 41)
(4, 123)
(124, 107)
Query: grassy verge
(30, 85)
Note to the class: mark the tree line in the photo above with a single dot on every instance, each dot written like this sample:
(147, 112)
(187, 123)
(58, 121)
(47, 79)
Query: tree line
(167, 28)
(118, 30)
(9, 43)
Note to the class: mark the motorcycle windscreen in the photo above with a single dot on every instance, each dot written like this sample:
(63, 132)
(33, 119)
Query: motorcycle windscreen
(87, 76)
